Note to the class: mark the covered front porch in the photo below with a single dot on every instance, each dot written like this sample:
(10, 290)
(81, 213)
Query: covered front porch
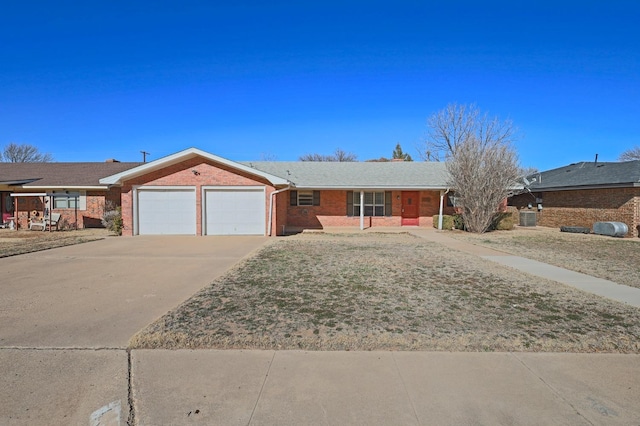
(363, 208)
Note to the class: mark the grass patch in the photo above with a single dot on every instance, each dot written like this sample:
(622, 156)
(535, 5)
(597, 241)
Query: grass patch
(396, 292)
(613, 259)
(13, 243)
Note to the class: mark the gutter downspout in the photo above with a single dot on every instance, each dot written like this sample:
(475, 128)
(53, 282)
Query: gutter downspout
(442, 194)
(273, 196)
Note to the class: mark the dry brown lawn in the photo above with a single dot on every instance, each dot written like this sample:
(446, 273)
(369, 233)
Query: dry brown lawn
(614, 259)
(389, 292)
(13, 243)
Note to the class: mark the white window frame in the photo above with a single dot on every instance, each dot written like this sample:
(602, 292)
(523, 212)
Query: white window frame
(79, 196)
(373, 204)
(305, 198)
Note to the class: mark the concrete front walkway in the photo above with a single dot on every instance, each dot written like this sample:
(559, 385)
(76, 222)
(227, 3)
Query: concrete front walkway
(599, 286)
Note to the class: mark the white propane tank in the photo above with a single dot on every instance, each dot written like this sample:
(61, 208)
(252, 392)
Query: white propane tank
(613, 229)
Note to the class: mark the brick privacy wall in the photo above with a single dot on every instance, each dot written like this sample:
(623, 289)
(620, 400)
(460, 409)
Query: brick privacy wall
(180, 174)
(91, 217)
(585, 207)
(332, 211)
(280, 213)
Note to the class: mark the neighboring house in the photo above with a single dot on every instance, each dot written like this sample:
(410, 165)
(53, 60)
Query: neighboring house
(198, 193)
(583, 193)
(71, 189)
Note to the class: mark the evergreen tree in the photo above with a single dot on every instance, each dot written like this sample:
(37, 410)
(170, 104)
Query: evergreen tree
(398, 154)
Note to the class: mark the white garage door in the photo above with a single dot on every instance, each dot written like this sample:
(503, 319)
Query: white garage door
(167, 211)
(235, 211)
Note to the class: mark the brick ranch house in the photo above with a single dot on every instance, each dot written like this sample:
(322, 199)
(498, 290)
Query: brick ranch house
(197, 193)
(30, 190)
(583, 193)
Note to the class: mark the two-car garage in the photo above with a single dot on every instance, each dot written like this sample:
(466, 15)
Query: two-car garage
(193, 192)
(226, 210)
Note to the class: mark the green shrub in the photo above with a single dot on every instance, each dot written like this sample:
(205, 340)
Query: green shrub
(112, 218)
(447, 221)
(458, 221)
(503, 222)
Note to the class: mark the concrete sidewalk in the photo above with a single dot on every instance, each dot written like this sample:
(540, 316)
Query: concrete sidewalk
(599, 286)
(207, 387)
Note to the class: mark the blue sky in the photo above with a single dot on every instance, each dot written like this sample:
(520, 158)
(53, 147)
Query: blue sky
(87, 81)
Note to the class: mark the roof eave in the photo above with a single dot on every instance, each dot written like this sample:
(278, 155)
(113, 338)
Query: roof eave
(187, 154)
(59, 187)
(374, 187)
(579, 187)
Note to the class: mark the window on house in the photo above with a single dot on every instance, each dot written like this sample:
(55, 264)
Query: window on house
(305, 198)
(375, 203)
(69, 200)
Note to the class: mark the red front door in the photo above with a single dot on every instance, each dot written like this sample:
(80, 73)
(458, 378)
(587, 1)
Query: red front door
(410, 208)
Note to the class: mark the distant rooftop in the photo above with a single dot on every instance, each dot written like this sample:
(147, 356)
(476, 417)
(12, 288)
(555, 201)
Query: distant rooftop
(43, 175)
(588, 174)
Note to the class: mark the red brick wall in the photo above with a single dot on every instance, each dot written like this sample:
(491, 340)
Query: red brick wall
(332, 211)
(585, 207)
(181, 174)
(280, 213)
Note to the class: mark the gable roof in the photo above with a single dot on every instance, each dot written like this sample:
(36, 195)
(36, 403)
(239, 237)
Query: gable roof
(585, 175)
(186, 154)
(358, 175)
(59, 175)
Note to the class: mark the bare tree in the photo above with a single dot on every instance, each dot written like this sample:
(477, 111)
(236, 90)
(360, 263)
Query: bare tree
(268, 156)
(528, 171)
(456, 124)
(24, 153)
(482, 174)
(481, 161)
(630, 154)
(338, 155)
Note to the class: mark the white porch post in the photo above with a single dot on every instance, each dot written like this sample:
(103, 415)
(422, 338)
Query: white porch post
(362, 210)
(440, 212)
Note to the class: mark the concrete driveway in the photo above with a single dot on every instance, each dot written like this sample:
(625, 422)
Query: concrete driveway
(67, 314)
(98, 294)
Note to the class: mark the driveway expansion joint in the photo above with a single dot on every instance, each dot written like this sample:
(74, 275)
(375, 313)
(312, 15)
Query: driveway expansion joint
(264, 382)
(553, 390)
(404, 386)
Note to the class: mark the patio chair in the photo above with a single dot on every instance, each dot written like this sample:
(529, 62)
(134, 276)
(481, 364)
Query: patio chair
(53, 221)
(46, 222)
(37, 223)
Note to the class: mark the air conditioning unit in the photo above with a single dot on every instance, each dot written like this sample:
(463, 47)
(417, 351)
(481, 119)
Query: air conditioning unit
(528, 218)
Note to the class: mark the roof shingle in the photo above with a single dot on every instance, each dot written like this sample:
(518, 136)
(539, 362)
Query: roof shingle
(356, 175)
(44, 175)
(588, 174)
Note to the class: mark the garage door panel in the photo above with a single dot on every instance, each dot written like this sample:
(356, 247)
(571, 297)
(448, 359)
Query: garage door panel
(235, 212)
(166, 212)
